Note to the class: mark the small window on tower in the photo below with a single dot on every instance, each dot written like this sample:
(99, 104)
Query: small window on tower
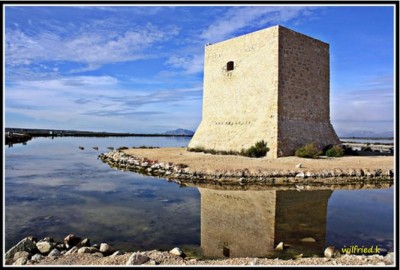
(230, 66)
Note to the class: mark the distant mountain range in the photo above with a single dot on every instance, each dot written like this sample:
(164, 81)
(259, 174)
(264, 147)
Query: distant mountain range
(367, 134)
(180, 131)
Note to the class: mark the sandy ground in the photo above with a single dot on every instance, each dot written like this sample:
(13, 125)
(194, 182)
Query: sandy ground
(207, 163)
(165, 259)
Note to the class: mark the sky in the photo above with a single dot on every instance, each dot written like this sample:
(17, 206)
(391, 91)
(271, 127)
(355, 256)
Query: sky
(139, 69)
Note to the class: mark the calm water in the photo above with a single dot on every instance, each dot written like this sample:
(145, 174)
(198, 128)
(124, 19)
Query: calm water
(52, 188)
(367, 140)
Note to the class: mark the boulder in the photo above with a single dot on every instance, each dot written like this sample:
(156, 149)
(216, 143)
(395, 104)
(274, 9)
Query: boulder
(71, 240)
(27, 244)
(44, 246)
(37, 257)
(55, 253)
(389, 258)
(329, 252)
(137, 259)
(117, 253)
(21, 254)
(177, 252)
(85, 242)
(279, 247)
(21, 261)
(72, 251)
(105, 248)
(87, 250)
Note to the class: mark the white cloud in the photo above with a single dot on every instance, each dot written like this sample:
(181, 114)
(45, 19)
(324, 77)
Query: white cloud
(228, 23)
(69, 82)
(95, 101)
(238, 18)
(91, 45)
(370, 107)
(190, 64)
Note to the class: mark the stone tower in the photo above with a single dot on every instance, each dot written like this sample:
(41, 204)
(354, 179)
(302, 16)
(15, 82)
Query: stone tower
(270, 85)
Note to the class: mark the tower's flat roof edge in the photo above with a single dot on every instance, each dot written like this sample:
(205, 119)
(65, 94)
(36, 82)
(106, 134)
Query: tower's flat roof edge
(278, 26)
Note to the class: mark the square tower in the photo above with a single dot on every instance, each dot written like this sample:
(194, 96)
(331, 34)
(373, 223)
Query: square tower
(270, 85)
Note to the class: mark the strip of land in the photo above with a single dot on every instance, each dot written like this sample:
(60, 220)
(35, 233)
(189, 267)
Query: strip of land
(208, 163)
(216, 171)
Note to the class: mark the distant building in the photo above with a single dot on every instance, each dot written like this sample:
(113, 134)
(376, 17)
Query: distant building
(270, 85)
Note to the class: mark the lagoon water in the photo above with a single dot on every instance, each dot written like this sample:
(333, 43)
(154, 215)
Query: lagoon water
(53, 188)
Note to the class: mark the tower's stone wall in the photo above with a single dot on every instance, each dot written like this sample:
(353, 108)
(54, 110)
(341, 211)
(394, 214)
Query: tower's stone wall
(303, 100)
(240, 106)
(277, 90)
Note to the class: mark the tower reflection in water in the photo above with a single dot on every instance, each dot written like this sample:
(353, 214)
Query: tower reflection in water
(251, 223)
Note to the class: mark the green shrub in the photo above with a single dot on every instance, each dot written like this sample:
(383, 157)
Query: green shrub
(223, 152)
(260, 149)
(310, 150)
(197, 149)
(349, 151)
(335, 151)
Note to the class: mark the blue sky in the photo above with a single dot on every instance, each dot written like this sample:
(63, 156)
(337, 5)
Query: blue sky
(140, 68)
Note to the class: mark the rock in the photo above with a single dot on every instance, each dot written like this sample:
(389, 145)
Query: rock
(98, 254)
(299, 165)
(329, 252)
(87, 250)
(85, 242)
(55, 253)
(26, 244)
(72, 251)
(71, 240)
(37, 257)
(299, 187)
(279, 247)
(137, 258)
(21, 254)
(21, 261)
(299, 256)
(177, 252)
(60, 246)
(380, 263)
(152, 262)
(337, 254)
(308, 240)
(44, 246)
(105, 248)
(310, 174)
(389, 258)
(117, 253)
(301, 174)
(8, 261)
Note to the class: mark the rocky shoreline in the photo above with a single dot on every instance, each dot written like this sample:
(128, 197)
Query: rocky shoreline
(74, 250)
(277, 179)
